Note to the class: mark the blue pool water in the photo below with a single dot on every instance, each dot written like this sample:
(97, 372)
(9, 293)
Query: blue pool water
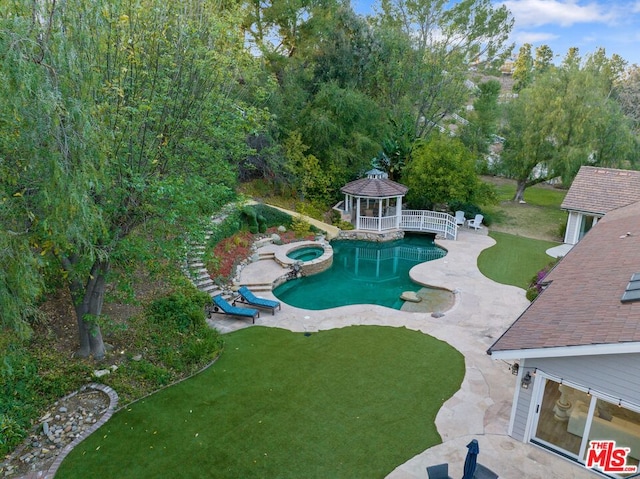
(306, 254)
(363, 272)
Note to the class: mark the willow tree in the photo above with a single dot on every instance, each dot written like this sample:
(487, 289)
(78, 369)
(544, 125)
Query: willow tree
(564, 119)
(126, 113)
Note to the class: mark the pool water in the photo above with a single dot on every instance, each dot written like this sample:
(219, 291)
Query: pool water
(363, 272)
(306, 254)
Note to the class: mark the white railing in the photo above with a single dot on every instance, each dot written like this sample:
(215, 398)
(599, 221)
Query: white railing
(411, 220)
(431, 221)
(371, 223)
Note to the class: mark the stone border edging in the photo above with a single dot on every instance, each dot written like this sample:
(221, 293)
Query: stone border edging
(113, 403)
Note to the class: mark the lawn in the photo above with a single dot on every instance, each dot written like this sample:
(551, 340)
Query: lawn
(354, 402)
(514, 259)
(540, 217)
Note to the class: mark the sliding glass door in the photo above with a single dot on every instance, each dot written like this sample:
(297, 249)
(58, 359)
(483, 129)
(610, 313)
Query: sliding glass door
(567, 419)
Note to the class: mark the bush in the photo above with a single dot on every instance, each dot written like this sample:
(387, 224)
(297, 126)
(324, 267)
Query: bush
(273, 217)
(262, 224)
(184, 309)
(300, 227)
(537, 282)
(227, 227)
(11, 434)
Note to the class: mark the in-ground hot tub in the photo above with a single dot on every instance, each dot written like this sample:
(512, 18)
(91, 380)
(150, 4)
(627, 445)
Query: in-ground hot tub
(309, 257)
(306, 253)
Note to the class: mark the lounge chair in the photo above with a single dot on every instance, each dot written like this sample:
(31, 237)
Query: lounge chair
(221, 305)
(441, 471)
(476, 222)
(460, 219)
(247, 296)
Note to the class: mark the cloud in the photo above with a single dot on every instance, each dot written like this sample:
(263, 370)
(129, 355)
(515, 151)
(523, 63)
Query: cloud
(522, 37)
(565, 13)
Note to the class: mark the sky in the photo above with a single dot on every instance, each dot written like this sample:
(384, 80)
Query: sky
(561, 24)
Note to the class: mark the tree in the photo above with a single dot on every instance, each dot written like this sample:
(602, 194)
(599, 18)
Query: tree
(559, 123)
(445, 38)
(523, 68)
(543, 60)
(483, 120)
(127, 113)
(441, 171)
(627, 94)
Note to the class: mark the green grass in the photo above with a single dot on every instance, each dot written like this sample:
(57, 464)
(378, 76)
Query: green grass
(514, 259)
(540, 218)
(353, 402)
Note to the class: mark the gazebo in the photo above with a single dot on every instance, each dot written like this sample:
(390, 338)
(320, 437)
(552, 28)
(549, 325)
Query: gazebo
(373, 203)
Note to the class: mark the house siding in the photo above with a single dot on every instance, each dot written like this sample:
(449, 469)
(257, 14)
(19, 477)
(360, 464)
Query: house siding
(521, 416)
(615, 375)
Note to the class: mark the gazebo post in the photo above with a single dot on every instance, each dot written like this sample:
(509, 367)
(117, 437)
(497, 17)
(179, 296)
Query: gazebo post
(380, 215)
(358, 214)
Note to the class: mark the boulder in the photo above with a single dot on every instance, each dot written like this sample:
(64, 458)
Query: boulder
(410, 296)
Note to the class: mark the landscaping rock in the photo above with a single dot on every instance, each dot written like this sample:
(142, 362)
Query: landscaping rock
(410, 296)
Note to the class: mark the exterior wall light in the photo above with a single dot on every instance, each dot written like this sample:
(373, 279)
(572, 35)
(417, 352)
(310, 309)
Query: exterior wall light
(526, 381)
(515, 368)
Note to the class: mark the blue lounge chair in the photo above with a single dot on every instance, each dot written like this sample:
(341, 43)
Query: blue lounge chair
(221, 305)
(246, 296)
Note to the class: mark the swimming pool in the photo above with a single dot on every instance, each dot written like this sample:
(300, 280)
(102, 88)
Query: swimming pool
(363, 272)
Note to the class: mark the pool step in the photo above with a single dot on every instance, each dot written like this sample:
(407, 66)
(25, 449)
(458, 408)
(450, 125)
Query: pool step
(259, 286)
(266, 255)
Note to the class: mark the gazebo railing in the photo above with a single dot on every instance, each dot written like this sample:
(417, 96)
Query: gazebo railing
(410, 220)
(371, 223)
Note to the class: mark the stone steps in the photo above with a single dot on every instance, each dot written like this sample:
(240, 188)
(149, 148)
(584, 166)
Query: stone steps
(268, 287)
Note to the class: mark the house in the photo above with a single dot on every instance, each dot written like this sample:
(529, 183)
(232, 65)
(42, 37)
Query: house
(593, 193)
(577, 346)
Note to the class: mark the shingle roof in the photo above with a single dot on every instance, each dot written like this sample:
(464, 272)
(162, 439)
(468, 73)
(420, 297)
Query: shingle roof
(374, 188)
(581, 306)
(599, 190)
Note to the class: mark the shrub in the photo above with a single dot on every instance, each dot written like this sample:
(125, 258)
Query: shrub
(11, 434)
(227, 227)
(273, 217)
(184, 309)
(300, 227)
(536, 283)
(262, 224)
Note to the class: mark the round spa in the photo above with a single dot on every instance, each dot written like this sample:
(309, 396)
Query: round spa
(306, 253)
(312, 256)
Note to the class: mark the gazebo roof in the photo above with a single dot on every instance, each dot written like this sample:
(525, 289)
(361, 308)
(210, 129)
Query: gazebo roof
(374, 188)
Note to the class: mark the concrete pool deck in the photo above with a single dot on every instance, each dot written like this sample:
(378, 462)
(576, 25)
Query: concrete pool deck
(482, 312)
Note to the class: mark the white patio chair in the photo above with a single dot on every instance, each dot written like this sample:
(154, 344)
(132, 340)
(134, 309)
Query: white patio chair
(476, 222)
(460, 219)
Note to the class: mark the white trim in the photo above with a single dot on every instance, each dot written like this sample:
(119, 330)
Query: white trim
(568, 351)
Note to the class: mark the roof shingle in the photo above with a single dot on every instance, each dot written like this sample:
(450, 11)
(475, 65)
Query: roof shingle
(581, 306)
(374, 188)
(599, 190)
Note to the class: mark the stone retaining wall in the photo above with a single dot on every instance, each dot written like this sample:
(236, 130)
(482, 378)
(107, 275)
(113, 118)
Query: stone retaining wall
(371, 235)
